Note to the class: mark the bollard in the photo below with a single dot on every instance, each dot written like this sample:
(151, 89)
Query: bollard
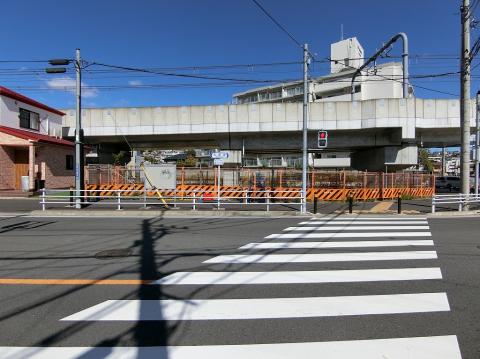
(194, 201)
(268, 201)
(399, 205)
(315, 204)
(350, 204)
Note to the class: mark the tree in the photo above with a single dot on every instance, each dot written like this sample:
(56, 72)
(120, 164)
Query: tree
(189, 161)
(424, 161)
(119, 158)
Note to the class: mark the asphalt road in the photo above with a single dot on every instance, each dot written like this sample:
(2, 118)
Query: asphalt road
(34, 250)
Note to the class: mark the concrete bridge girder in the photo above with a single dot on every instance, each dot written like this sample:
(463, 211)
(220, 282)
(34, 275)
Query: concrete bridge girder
(353, 126)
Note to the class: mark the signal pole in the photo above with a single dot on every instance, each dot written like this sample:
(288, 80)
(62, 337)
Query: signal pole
(465, 98)
(306, 60)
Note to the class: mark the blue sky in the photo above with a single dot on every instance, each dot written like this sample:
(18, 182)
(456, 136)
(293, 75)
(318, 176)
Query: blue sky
(199, 33)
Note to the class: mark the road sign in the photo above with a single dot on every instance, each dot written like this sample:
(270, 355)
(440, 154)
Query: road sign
(322, 139)
(218, 161)
(221, 154)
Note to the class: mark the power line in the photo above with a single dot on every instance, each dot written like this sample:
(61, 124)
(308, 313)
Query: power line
(400, 81)
(280, 26)
(473, 6)
(126, 68)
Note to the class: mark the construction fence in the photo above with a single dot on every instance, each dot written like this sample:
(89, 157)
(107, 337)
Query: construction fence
(325, 185)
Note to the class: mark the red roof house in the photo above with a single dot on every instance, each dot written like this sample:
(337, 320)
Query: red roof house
(31, 144)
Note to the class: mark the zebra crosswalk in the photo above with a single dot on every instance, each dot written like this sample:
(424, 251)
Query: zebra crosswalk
(373, 242)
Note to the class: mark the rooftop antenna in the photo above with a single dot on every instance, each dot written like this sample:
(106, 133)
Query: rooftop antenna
(341, 31)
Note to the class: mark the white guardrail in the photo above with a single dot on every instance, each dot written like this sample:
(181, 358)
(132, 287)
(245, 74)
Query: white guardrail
(462, 200)
(124, 198)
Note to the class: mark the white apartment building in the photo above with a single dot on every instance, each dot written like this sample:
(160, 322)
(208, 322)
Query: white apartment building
(381, 81)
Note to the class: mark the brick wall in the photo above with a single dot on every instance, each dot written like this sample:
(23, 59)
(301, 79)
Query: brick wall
(7, 167)
(53, 158)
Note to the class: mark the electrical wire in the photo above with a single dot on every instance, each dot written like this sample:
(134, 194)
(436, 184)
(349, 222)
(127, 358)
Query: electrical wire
(401, 81)
(280, 26)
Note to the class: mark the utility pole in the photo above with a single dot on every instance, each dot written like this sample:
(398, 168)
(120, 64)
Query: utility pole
(465, 98)
(79, 170)
(443, 160)
(477, 140)
(306, 60)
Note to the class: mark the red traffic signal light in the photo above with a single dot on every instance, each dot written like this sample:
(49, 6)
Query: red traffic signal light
(322, 139)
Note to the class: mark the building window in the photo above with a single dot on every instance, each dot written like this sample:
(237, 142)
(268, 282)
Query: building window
(69, 162)
(29, 119)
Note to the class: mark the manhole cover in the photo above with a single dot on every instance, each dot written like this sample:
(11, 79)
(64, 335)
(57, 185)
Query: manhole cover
(113, 253)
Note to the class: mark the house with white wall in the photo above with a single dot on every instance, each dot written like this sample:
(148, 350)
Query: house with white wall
(31, 146)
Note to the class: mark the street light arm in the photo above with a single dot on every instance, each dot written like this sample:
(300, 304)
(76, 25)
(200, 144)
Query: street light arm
(404, 38)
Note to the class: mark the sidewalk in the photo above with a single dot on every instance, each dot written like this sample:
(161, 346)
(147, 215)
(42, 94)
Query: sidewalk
(31, 206)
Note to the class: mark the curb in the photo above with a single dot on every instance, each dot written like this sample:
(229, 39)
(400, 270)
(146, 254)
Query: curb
(454, 214)
(165, 214)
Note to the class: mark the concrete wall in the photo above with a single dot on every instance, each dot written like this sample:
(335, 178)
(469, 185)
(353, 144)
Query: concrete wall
(377, 87)
(50, 123)
(331, 162)
(378, 159)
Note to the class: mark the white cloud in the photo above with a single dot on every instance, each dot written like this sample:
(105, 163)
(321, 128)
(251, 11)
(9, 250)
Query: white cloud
(68, 83)
(135, 83)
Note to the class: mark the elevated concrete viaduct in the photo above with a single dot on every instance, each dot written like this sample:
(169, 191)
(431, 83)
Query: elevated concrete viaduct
(376, 132)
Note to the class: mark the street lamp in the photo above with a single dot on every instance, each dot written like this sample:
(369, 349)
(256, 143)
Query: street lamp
(79, 170)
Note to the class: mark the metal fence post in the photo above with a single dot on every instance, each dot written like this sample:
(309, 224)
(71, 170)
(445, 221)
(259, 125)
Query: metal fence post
(268, 201)
(43, 199)
(119, 207)
(71, 197)
(144, 197)
(302, 198)
(194, 201)
(460, 203)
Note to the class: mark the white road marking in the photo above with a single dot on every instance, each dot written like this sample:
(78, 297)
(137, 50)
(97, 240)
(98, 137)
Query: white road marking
(348, 235)
(299, 277)
(352, 228)
(437, 347)
(363, 222)
(369, 218)
(349, 244)
(264, 308)
(323, 257)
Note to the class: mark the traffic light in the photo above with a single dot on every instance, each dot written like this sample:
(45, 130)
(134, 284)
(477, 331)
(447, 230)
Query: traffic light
(322, 139)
